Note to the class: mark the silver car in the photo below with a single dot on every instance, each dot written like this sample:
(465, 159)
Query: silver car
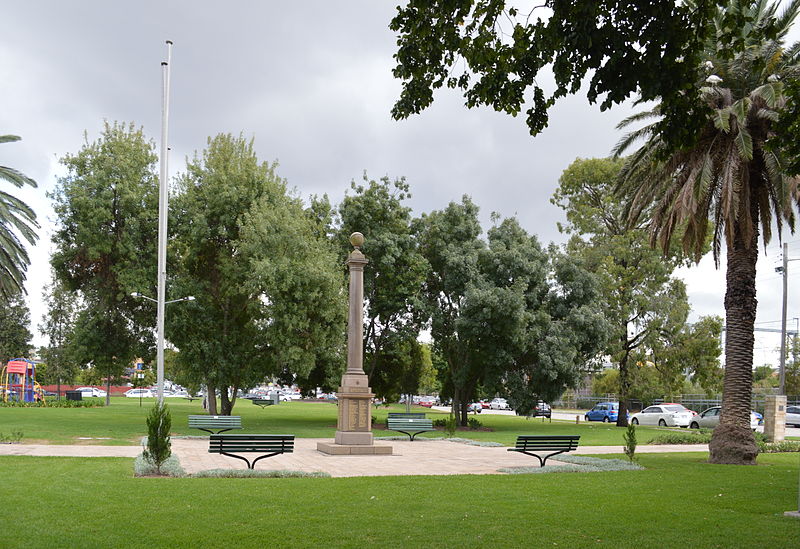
(793, 416)
(709, 419)
(664, 415)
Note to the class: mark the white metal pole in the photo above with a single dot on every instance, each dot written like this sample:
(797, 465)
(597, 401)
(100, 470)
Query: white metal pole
(782, 371)
(163, 197)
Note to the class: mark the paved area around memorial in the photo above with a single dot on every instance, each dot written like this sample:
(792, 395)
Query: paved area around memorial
(409, 458)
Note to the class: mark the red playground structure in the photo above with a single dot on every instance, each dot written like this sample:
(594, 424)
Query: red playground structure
(18, 382)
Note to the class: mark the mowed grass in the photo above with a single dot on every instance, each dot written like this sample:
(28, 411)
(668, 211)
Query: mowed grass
(678, 501)
(124, 423)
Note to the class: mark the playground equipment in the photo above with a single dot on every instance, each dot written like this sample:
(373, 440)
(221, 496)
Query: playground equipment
(18, 381)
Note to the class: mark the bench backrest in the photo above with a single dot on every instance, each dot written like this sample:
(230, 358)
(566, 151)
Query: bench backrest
(216, 422)
(251, 443)
(547, 442)
(409, 423)
(406, 415)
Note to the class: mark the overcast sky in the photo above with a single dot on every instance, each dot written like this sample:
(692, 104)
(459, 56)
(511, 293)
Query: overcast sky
(312, 83)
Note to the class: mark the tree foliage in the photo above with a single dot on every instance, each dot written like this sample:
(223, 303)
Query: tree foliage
(106, 210)
(15, 335)
(729, 185)
(17, 220)
(496, 54)
(646, 308)
(504, 313)
(58, 325)
(394, 308)
(268, 293)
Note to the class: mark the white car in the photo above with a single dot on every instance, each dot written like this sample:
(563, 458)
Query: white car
(499, 404)
(664, 415)
(793, 416)
(91, 392)
(708, 419)
(475, 407)
(139, 393)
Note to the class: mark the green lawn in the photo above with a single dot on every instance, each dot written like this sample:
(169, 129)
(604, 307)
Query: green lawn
(124, 423)
(678, 501)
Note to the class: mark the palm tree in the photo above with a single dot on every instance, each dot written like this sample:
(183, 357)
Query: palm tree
(729, 183)
(16, 220)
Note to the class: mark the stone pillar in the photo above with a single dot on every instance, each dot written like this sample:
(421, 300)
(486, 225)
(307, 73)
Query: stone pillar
(354, 427)
(775, 418)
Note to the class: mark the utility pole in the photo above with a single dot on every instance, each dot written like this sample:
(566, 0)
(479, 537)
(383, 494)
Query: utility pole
(163, 197)
(784, 272)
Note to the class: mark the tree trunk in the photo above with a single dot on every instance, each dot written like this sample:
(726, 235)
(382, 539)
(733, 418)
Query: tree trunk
(624, 387)
(108, 387)
(211, 398)
(225, 401)
(732, 441)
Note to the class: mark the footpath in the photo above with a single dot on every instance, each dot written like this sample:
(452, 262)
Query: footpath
(437, 457)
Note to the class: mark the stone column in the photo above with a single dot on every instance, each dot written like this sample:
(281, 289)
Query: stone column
(354, 427)
(775, 418)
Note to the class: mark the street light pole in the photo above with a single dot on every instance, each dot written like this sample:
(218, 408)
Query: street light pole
(782, 371)
(163, 198)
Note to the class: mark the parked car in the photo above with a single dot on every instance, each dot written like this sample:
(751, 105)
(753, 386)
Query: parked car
(484, 404)
(91, 392)
(428, 401)
(710, 418)
(499, 404)
(664, 415)
(603, 411)
(542, 409)
(140, 393)
(793, 416)
(475, 407)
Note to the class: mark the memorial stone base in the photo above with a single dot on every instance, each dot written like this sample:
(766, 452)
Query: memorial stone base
(354, 428)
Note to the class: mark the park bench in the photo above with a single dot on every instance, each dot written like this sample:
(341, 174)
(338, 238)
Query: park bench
(269, 445)
(218, 423)
(534, 444)
(406, 415)
(410, 424)
(264, 402)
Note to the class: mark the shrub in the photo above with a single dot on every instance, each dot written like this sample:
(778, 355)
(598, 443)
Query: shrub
(450, 425)
(158, 444)
(52, 403)
(703, 436)
(171, 467)
(629, 436)
(250, 473)
(776, 447)
(13, 438)
(474, 423)
(577, 464)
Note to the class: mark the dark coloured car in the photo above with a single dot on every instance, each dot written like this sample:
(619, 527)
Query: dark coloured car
(542, 409)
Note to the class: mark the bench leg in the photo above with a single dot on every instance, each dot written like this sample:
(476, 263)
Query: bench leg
(551, 455)
(249, 465)
(253, 466)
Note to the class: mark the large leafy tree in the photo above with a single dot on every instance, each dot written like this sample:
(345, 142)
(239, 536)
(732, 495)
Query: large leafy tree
(15, 335)
(58, 325)
(268, 294)
(503, 312)
(394, 309)
(16, 220)
(106, 212)
(729, 184)
(495, 53)
(646, 307)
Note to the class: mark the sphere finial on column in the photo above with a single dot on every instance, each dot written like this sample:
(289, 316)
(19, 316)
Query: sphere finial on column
(357, 240)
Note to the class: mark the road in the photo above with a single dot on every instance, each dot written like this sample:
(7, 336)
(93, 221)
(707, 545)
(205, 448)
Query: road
(570, 416)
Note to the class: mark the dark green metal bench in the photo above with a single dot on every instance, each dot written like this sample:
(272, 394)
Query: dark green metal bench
(534, 444)
(264, 402)
(411, 426)
(406, 415)
(269, 445)
(218, 423)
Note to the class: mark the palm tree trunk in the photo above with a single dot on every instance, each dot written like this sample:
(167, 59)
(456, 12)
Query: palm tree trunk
(732, 441)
